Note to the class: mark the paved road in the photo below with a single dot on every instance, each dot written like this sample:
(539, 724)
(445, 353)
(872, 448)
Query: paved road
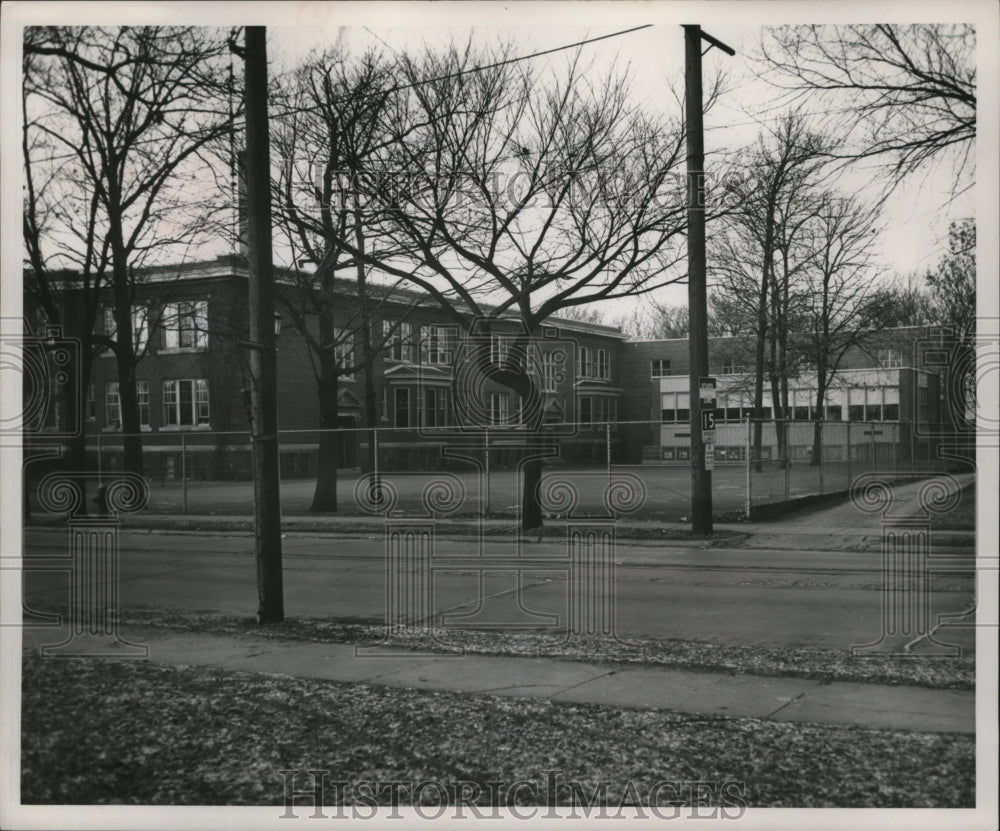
(739, 597)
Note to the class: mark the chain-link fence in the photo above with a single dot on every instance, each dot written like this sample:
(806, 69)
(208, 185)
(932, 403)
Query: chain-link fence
(334, 471)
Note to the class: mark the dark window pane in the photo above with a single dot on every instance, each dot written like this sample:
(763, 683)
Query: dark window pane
(856, 412)
(402, 407)
(187, 402)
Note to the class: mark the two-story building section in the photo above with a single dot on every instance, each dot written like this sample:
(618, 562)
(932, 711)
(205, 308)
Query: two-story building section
(190, 325)
(885, 378)
(431, 386)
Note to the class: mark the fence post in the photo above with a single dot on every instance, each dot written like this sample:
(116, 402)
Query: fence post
(607, 444)
(895, 450)
(849, 478)
(486, 454)
(375, 480)
(787, 460)
(747, 466)
(184, 477)
(821, 447)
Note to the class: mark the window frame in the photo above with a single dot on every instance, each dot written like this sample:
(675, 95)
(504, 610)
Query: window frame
(174, 401)
(172, 323)
(400, 395)
(602, 366)
(112, 404)
(658, 372)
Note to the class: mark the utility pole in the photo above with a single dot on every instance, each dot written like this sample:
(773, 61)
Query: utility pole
(701, 478)
(263, 355)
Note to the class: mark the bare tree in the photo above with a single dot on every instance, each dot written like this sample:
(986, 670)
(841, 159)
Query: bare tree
(118, 122)
(757, 258)
(905, 93)
(538, 194)
(331, 119)
(844, 301)
(583, 314)
(953, 293)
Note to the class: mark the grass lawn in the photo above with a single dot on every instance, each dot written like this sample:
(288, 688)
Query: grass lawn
(99, 731)
(664, 494)
(962, 517)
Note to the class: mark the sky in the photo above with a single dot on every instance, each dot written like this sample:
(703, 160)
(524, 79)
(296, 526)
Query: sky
(916, 216)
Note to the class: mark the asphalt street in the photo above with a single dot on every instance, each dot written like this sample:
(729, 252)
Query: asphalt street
(758, 597)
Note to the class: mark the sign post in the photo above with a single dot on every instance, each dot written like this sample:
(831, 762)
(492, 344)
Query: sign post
(706, 400)
(701, 476)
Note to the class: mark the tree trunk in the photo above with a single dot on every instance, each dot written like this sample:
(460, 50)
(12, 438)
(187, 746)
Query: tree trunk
(758, 384)
(817, 451)
(125, 354)
(531, 505)
(325, 495)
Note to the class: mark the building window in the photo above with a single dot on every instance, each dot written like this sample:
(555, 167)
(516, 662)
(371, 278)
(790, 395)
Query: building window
(587, 410)
(603, 366)
(551, 371)
(398, 337)
(435, 407)
(185, 403)
(659, 368)
(112, 405)
(856, 412)
(890, 358)
(140, 326)
(668, 416)
(873, 412)
(185, 325)
(890, 412)
(436, 344)
(606, 410)
(834, 412)
(142, 399)
(401, 400)
(800, 413)
(730, 367)
(91, 404)
(499, 347)
(343, 352)
(499, 408)
(585, 362)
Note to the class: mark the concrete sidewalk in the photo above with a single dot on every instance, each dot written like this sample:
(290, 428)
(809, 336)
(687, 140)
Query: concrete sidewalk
(778, 699)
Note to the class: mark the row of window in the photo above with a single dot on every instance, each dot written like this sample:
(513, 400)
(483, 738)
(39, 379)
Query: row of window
(885, 359)
(181, 325)
(433, 408)
(184, 403)
(436, 345)
(855, 412)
